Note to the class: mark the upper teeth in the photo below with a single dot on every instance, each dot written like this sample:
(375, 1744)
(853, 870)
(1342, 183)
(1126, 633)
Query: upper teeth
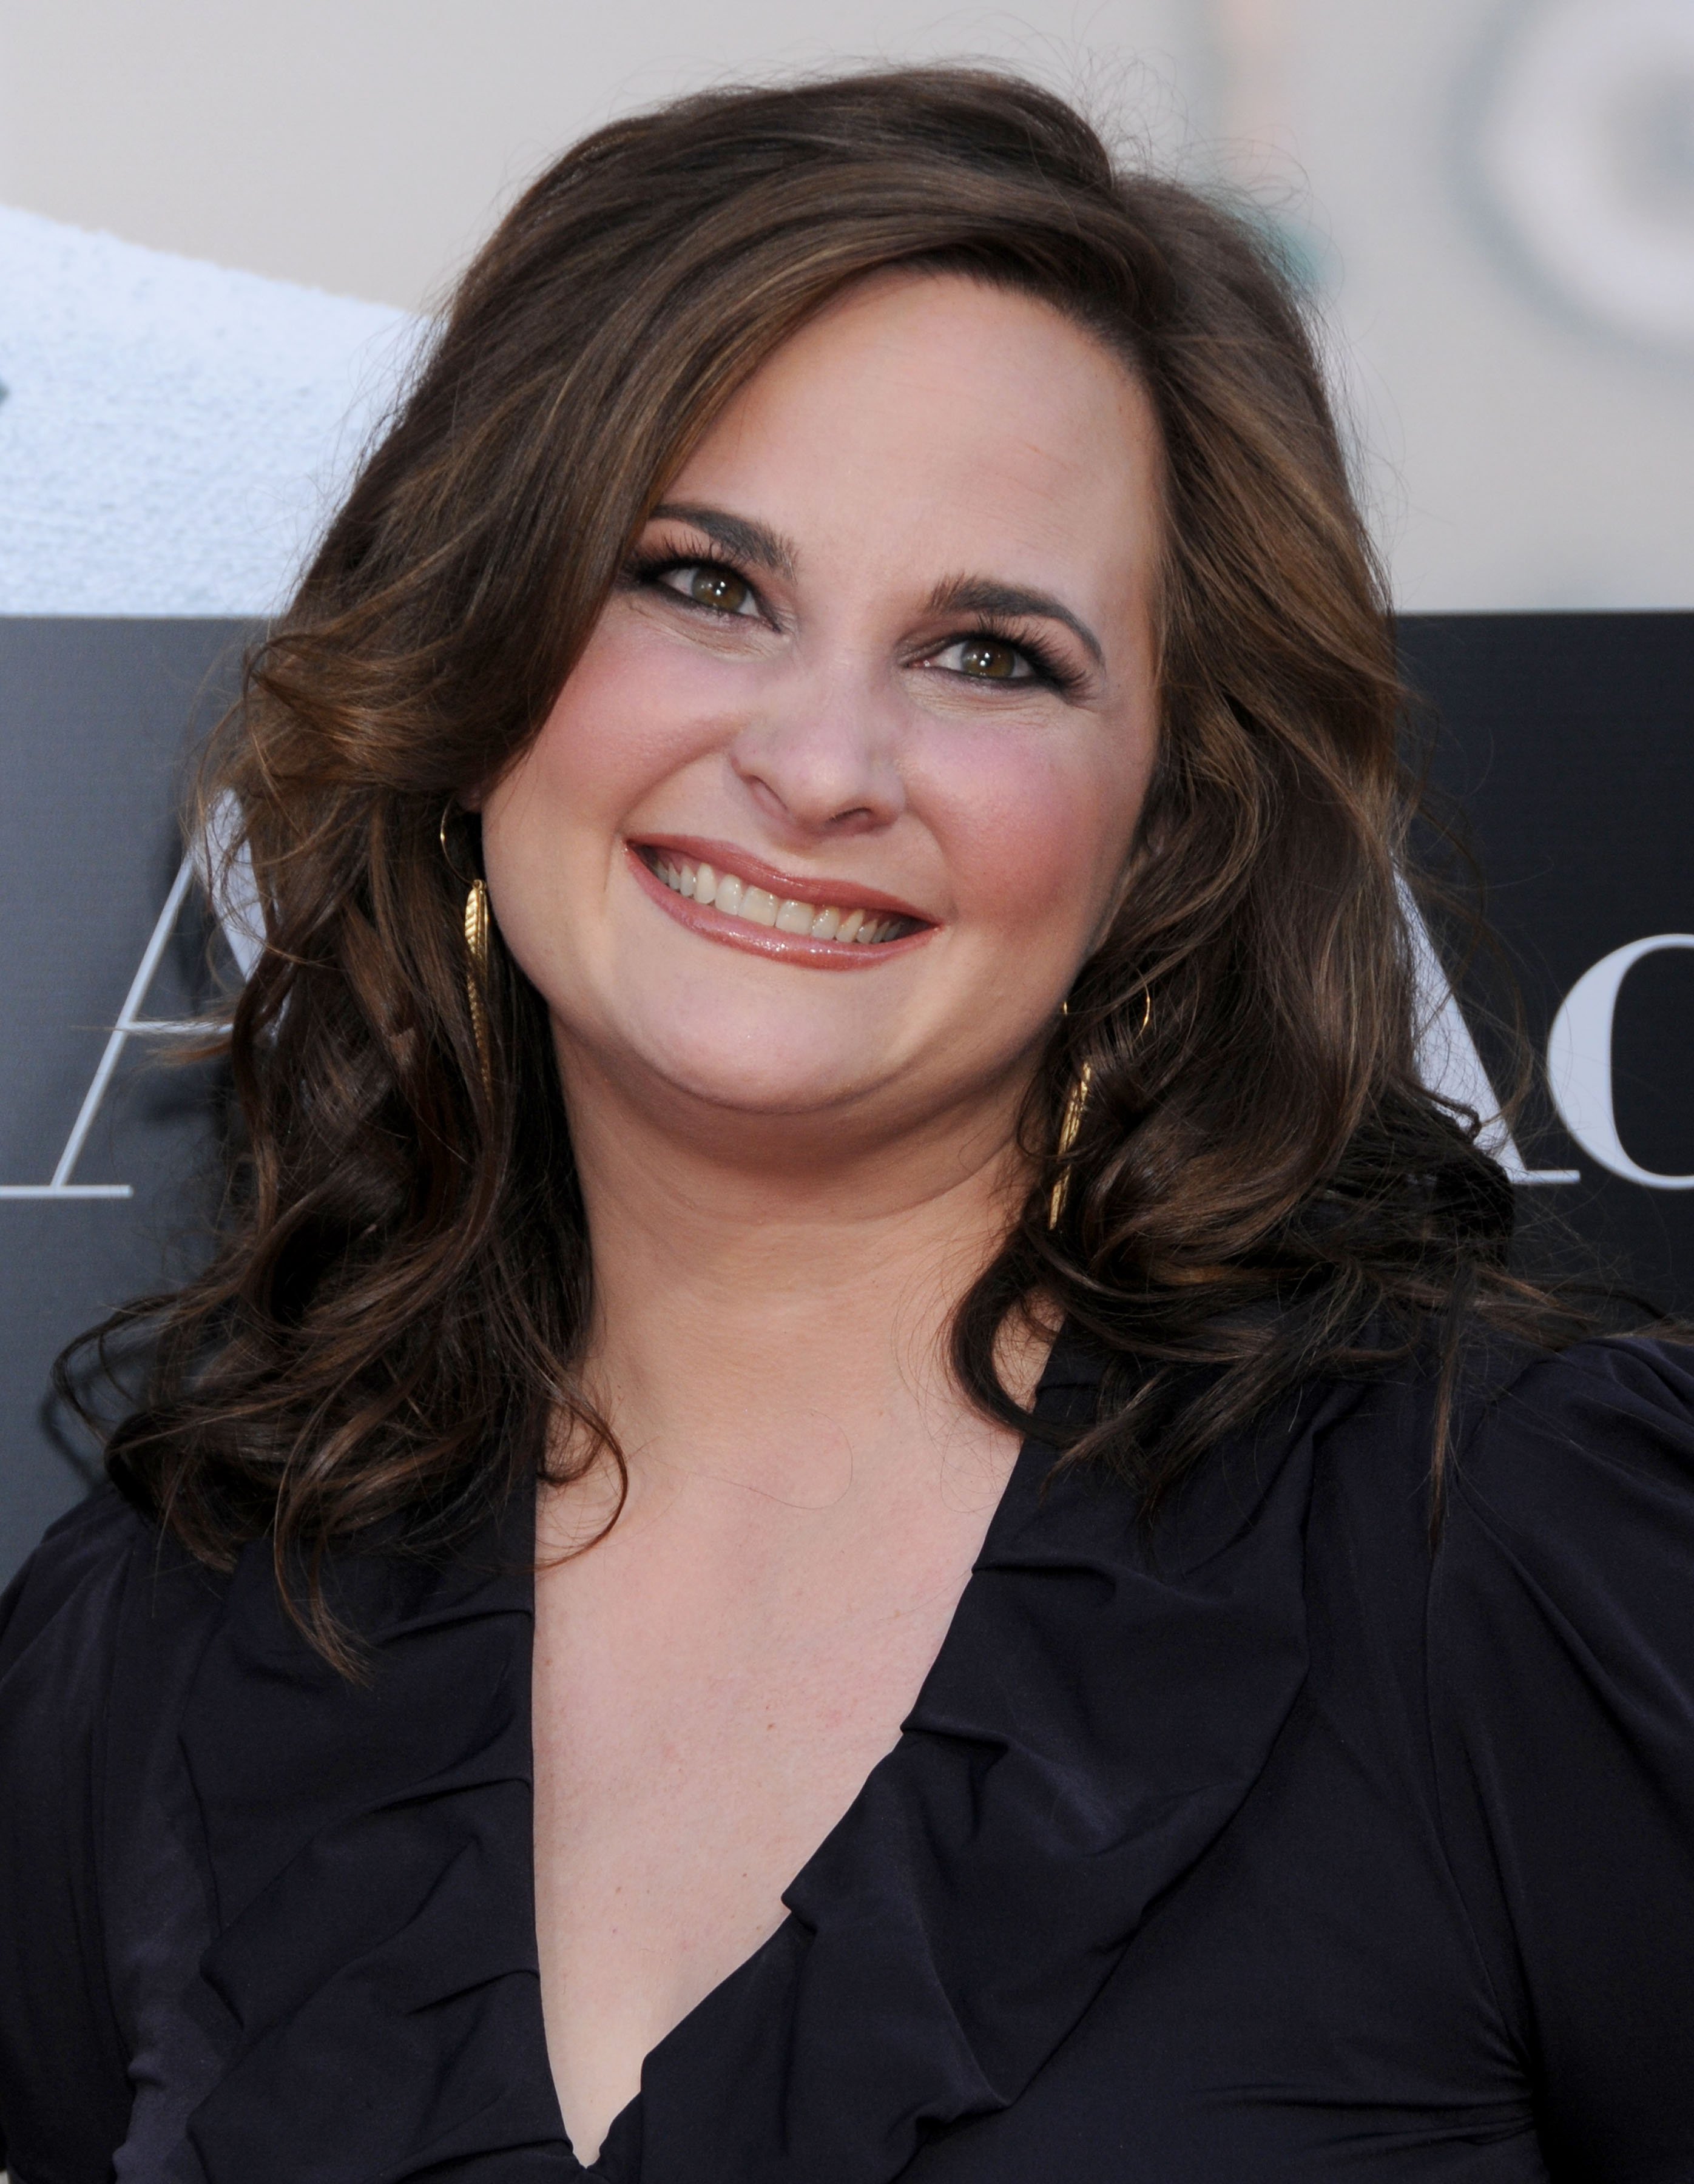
(736, 897)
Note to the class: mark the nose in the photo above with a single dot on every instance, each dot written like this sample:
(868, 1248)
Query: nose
(820, 758)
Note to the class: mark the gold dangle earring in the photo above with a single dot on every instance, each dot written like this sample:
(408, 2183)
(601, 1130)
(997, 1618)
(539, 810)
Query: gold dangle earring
(477, 926)
(1070, 1123)
(1075, 1107)
(1069, 1126)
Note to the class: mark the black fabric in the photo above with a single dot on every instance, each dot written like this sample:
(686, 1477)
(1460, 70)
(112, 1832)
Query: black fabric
(1273, 1846)
(64, 2094)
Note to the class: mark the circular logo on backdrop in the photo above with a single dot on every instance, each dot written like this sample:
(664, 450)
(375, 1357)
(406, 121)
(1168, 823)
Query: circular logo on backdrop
(1585, 151)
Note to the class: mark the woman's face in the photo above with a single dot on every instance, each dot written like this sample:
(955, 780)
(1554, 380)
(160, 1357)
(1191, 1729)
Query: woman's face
(880, 684)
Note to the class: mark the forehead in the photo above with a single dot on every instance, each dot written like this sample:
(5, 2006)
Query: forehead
(944, 416)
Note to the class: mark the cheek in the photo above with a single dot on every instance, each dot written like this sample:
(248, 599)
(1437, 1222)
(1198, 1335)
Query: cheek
(1038, 828)
(551, 826)
(629, 717)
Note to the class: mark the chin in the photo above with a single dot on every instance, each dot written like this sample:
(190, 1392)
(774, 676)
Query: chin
(804, 1045)
(770, 1077)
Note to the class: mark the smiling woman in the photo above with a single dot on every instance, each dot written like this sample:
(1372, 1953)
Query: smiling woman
(833, 728)
(860, 1491)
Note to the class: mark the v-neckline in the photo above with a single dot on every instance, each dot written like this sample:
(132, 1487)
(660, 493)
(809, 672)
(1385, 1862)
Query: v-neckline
(618, 2158)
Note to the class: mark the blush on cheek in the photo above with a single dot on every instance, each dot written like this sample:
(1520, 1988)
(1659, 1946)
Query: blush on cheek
(1038, 838)
(635, 741)
(629, 710)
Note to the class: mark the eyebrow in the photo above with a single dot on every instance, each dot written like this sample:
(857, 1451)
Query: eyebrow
(749, 542)
(984, 595)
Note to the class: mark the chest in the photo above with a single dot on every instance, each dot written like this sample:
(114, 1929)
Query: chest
(691, 1753)
(704, 1710)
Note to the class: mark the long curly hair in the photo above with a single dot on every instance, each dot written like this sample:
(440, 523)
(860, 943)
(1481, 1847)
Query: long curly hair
(1262, 1187)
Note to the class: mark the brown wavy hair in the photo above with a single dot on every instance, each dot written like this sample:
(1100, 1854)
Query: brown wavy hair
(1262, 1189)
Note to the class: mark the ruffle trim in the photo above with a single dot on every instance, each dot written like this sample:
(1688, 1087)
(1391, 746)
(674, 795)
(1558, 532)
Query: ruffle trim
(370, 1851)
(1097, 1713)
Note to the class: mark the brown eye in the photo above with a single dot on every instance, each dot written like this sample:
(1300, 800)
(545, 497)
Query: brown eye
(718, 588)
(987, 657)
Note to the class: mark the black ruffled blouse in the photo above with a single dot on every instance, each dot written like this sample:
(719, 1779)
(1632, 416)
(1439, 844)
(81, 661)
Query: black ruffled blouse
(1277, 1846)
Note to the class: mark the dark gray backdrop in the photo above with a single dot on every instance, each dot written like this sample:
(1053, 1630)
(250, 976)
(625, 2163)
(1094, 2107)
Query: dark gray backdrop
(95, 716)
(1568, 738)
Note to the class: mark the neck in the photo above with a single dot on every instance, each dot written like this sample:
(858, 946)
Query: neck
(775, 1314)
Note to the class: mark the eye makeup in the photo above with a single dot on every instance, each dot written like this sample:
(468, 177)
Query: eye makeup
(1049, 671)
(647, 569)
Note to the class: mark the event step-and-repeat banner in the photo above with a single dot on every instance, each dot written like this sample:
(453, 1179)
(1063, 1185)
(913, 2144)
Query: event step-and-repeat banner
(1567, 739)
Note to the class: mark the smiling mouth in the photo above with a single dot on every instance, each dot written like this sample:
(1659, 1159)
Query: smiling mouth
(772, 920)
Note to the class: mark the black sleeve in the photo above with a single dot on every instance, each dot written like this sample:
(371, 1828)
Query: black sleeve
(1561, 1673)
(65, 2095)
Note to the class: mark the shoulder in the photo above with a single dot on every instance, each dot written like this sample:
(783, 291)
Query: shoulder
(1608, 1422)
(1534, 1437)
(100, 1632)
(1569, 1509)
(1564, 1571)
(99, 1561)
(64, 1597)
(1524, 1641)
(106, 1598)
(88, 1628)
(1566, 1552)
(1560, 1649)
(1538, 1582)
(1567, 1490)
(77, 1674)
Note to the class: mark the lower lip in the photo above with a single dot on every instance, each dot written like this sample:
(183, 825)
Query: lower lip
(764, 939)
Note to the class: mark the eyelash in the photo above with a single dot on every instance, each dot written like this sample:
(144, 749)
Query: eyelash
(1050, 673)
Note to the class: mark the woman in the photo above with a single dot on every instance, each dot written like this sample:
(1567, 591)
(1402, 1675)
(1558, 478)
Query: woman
(839, 1269)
